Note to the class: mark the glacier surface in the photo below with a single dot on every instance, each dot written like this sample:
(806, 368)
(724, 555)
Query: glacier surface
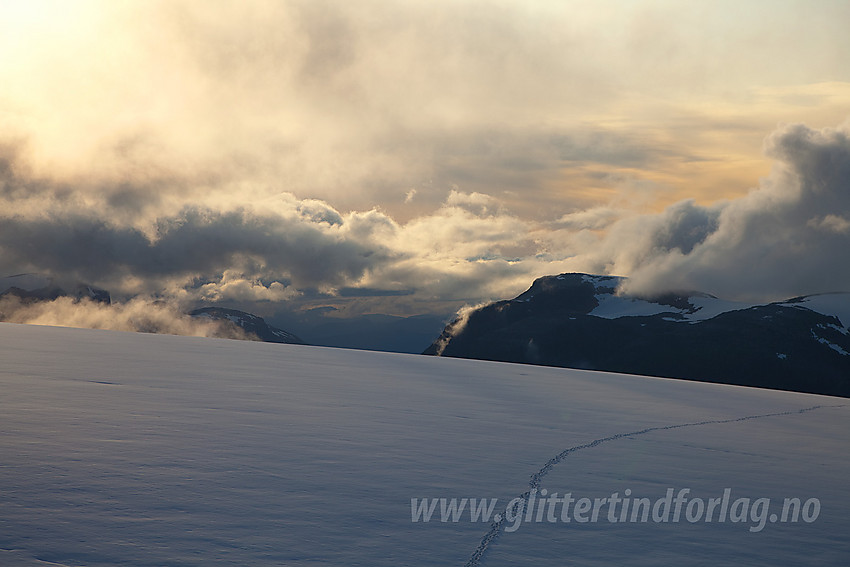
(143, 450)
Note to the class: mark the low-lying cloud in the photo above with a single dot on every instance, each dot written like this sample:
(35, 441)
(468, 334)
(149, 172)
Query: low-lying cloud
(417, 156)
(136, 315)
(787, 237)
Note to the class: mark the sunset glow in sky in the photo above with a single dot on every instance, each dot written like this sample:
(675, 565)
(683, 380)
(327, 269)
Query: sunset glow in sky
(405, 157)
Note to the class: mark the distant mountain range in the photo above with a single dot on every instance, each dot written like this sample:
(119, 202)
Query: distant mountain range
(579, 321)
(251, 324)
(35, 287)
(379, 332)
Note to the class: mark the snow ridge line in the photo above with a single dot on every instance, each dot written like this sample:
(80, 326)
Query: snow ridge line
(534, 483)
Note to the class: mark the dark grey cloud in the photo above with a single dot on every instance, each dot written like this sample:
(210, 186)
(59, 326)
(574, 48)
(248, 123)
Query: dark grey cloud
(100, 234)
(684, 226)
(370, 292)
(195, 241)
(123, 236)
(321, 147)
(789, 236)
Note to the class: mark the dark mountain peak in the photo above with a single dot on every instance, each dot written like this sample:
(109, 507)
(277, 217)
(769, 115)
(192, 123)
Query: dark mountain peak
(582, 321)
(33, 288)
(571, 291)
(582, 293)
(251, 324)
(37, 287)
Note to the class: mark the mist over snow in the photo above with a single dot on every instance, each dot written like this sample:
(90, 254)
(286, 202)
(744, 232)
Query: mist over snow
(136, 315)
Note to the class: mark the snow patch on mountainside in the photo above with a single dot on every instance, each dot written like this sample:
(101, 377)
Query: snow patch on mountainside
(831, 345)
(706, 307)
(612, 307)
(700, 307)
(832, 304)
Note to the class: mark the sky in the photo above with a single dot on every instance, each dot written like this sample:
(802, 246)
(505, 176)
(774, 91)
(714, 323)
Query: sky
(414, 157)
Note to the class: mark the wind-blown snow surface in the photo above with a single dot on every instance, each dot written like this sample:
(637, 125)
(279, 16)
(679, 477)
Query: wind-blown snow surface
(135, 449)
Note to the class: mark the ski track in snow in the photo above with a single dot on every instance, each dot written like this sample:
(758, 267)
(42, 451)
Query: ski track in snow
(534, 483)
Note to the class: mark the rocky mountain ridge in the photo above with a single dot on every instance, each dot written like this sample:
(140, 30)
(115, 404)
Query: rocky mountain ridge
(580, 321)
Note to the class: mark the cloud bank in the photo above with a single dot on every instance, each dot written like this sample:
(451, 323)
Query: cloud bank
(789, 236)
(136, 315)
(786, 237)
(415, 157)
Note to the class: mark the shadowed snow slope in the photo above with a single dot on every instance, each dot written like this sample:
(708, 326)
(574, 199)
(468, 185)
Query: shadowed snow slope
(136, 449)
